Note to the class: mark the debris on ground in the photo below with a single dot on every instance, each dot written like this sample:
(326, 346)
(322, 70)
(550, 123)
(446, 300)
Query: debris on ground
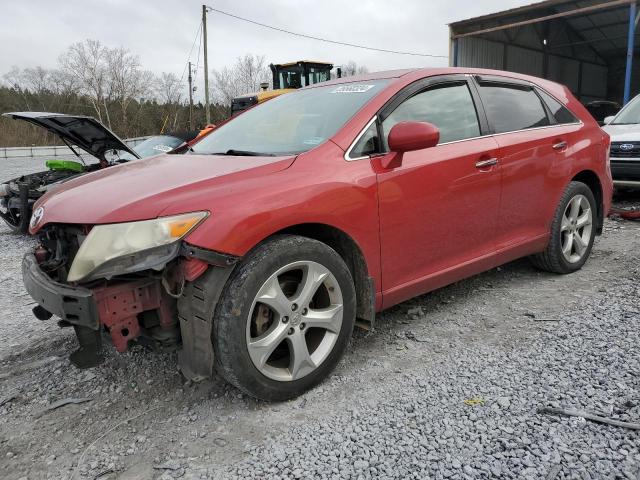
(62, 403)
(572, 412)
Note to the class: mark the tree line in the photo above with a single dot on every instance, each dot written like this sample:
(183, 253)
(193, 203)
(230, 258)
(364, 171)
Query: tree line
(110, 84)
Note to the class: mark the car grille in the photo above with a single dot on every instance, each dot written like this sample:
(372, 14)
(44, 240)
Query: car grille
(625, 150)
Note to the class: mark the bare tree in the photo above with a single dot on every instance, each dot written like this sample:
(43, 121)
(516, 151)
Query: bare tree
(245, 76)
(87, 63)
(352, 68)
(126, 80)
(168, 88)
(62, 83)
(15, 80)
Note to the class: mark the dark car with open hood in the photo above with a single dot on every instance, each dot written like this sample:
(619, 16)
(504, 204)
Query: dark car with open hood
(18, 195)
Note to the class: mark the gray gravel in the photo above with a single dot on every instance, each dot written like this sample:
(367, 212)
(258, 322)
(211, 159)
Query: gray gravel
(448, 386)
(420, 426)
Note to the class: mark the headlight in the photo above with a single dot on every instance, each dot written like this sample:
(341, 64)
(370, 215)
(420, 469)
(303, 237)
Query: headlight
(121, 248)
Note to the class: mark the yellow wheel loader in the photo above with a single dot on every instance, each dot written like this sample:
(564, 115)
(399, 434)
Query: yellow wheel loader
(286, 78)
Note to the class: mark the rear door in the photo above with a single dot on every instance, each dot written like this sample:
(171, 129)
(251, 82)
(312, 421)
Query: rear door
(439, 208)
(534, 149)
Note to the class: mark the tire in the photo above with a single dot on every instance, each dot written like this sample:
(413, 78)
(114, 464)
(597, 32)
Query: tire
(15, 222)
(570, 224)
(267, 344)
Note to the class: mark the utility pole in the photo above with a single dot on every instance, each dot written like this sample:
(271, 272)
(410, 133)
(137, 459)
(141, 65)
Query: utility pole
(206, 65)
(190, 99)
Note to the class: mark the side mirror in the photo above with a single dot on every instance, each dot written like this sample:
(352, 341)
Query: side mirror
(609, 119)
(410, 136)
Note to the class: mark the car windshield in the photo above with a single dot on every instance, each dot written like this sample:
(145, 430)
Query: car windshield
(292, 123)
(153, 146)
(629, 114)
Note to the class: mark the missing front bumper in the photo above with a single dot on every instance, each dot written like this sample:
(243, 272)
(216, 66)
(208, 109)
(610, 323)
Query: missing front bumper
(115, 307)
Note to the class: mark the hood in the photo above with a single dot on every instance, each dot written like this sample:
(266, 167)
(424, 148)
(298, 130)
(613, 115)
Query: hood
(143, 189)
(85, 132)
(623, 133)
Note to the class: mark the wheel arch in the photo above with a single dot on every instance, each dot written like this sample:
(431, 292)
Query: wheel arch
(591, 180)
(352, 254)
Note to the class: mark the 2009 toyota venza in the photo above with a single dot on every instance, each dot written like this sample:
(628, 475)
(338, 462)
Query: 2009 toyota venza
(259, 251)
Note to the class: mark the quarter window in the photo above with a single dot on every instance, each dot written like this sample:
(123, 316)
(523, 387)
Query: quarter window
(368, 143)
(448, 107)
(511, 108)
(560, 112)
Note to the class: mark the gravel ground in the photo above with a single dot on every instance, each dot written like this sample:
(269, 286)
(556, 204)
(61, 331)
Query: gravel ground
(447, 386)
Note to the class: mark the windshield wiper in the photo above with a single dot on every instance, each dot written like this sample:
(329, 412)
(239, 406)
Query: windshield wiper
(244, 153)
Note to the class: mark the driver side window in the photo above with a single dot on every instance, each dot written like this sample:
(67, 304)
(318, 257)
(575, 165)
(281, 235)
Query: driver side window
(449, 107)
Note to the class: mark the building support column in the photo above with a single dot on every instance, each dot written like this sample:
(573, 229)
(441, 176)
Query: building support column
(455, 52)
(631, 38)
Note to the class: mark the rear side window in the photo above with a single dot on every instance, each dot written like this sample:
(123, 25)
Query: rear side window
(559, 111)
(511, 108)
(449, 107)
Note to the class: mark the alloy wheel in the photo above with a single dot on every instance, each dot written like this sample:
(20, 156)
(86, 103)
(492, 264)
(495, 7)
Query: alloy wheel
(576, 228)
(294, 321)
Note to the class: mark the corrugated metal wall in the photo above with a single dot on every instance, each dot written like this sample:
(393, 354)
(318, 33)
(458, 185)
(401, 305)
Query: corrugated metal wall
(480, 53)
(583, 75)
(566, 71)
(523, 60)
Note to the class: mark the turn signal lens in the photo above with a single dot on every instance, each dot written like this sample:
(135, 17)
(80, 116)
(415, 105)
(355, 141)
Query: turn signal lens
(179, 227)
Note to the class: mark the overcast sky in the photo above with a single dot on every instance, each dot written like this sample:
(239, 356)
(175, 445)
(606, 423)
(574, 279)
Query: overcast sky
(161, 32)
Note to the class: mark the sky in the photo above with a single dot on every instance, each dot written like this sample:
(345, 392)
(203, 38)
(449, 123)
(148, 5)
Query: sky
(162, 32)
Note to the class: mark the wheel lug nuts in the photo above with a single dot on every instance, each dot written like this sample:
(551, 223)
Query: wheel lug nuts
(285, 319)
(302, 325)
(304, 311)
(290, 332)
(294, 307)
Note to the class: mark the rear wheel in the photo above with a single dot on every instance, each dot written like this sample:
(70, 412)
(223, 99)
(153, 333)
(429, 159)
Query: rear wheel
(285, 318)
(573, 231)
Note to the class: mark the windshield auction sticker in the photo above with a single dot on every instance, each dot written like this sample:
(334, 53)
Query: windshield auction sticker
(352, 88)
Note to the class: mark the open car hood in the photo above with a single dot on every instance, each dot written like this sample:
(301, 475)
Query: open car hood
(85, 132)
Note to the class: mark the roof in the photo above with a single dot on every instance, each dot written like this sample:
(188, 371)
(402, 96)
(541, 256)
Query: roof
(290, 64)
(599, 25)
(384, 75)
(512, 11)
(413, 74)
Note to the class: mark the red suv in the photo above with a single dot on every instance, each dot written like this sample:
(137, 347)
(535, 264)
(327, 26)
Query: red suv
(259, 251)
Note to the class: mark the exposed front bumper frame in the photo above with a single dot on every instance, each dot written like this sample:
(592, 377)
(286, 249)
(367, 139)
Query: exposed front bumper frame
(115, 306)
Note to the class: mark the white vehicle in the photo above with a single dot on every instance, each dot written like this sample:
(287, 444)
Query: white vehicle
(624, 129)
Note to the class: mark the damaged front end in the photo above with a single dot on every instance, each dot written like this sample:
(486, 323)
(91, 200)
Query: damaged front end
(128, 291)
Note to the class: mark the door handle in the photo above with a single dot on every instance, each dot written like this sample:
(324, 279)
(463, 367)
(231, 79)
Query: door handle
(560, 146)
(487, 163)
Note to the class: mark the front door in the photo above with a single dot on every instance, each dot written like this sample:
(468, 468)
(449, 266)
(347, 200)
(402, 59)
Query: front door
(439, 208)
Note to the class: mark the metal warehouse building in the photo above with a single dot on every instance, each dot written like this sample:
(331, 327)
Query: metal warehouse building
(586, 45)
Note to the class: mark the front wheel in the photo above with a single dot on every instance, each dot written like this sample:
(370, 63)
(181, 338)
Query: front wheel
(15, 221)
(573, 231)
(285, 318)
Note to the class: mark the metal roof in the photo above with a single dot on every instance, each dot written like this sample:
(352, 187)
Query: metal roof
(600, 25)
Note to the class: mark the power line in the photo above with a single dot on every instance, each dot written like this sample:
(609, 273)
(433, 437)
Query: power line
(199, 47)
(320, 39)
(191, 51)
